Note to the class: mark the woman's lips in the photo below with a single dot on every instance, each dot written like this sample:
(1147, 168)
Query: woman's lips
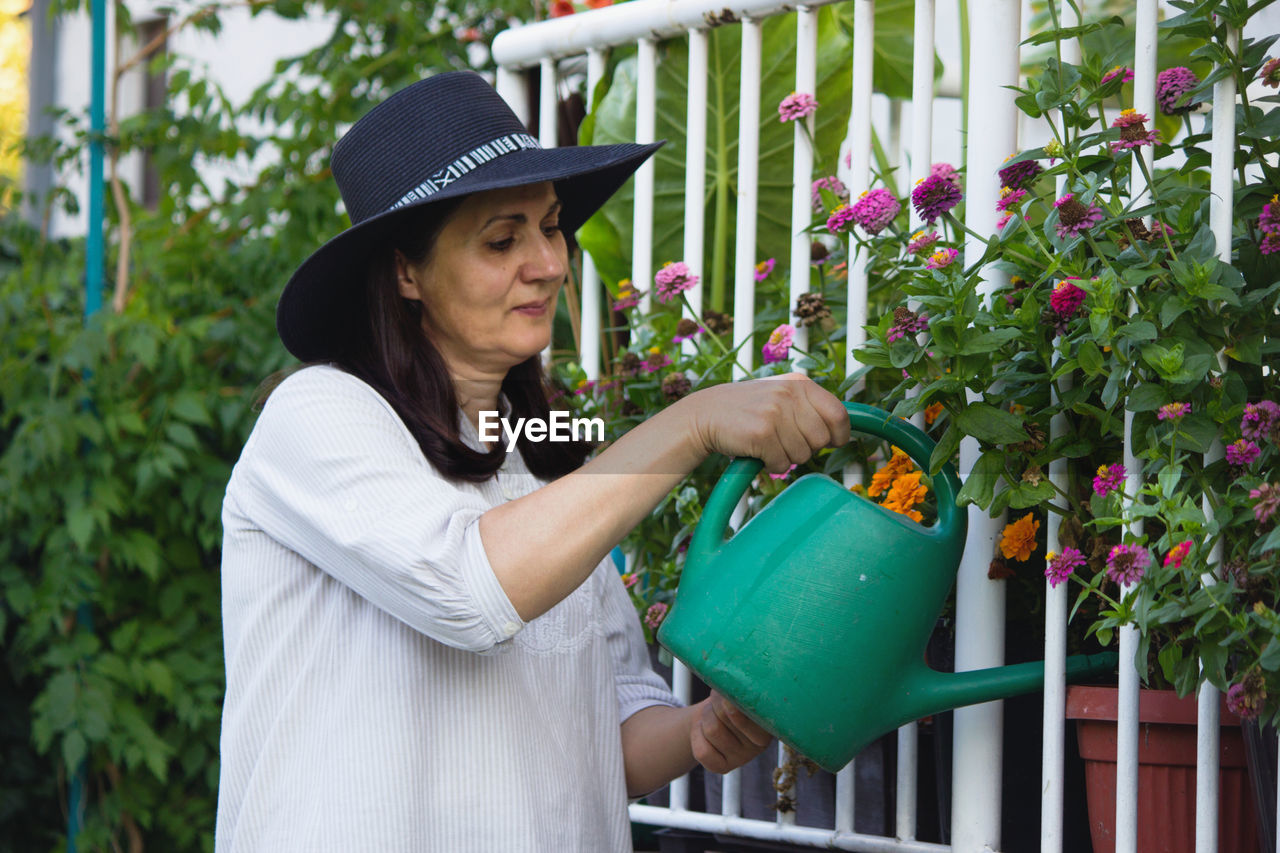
(533, 309)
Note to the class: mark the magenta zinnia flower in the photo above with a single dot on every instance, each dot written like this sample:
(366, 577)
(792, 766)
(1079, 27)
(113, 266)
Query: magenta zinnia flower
(778, 347)
(1268, 501)
(1173, 412)
(1247, 698)
(1133, 131)
(1121, 71)
(905, 322)
(1171, 85)
(840, 219)
(1127, 563)
(1075, 217)
(831, 184)
(796, 105)
(922, 242)
(934, 196)
(628, 296)
(655, 614)
(1009, 198)
(764, 268)
(1067, 297)
(1060, 566)
(1242, 453)
(672, 280)
(1177, 554)
(941, 258)
(875, 209)
(1019, 173)
(1269, 225)
(1108, 479)
(1260, 420)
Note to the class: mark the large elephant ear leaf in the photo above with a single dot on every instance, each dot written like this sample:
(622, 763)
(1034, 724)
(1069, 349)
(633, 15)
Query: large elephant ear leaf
(608, 235)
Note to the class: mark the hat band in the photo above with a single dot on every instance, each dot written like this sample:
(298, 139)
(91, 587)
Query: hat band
(473, 159)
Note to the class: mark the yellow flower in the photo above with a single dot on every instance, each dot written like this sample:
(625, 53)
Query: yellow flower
(906, 492)
(899, 463)
(931, 413)
(1018, 540)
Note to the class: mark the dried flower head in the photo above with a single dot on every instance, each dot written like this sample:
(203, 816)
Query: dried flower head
(1267, 497)
(717, 323)
(905, 322)
(1269, 74)
(686, 329)
(811, 308)
(1246, 698)
(675, 385)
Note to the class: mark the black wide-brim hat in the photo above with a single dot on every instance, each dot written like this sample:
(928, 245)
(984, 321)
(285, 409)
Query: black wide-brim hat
(443, 137)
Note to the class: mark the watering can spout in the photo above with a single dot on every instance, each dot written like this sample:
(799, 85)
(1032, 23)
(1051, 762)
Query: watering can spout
(928, 691)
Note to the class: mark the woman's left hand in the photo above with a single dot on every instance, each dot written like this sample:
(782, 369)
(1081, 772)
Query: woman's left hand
(722, 737)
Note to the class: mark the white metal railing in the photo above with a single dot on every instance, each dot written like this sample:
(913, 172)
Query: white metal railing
(994, 65)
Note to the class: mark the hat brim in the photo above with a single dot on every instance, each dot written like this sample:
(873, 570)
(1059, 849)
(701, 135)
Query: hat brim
(322, 298)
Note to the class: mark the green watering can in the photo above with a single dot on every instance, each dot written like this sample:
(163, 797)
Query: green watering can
(813, 619)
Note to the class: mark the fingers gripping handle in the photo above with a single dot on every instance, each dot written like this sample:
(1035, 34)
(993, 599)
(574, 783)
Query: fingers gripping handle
(862, 418)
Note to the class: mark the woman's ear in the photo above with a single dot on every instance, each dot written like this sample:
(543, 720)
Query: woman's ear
(407, 278)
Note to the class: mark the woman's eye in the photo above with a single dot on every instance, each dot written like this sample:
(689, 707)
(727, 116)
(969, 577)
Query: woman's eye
(501, 245)
(550, 230)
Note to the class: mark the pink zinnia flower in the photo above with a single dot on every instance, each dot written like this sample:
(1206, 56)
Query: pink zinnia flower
(1268, 501)
(1269, 225)
(1121, 71)
(778, 347)
(941, 258)
(1108, 479)
(655, 361)
(1003, 220)
(831, 184)
(1067, 297)
(1270, 73)
(1177, 554)
(1171, 85)
(673, 279)
(1060, 566)
(1019, 173)
(1010, 197)
(947, 172)
(764, 268)
(875, 209)
(934, 196)
(796, 105)
(840, 219)
(630, 579)
(655, 614)
(628, 296)
(905, 322)
(922, 242)
(784, 475)
(1242, 453)
(1173, 412)
(1133, 131)
(1127, 563)
(1075, 217)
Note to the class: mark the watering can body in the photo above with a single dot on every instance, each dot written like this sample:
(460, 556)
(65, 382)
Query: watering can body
(813, 618)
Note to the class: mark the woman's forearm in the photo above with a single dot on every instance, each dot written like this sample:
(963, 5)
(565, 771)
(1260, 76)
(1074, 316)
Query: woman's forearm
(656, 747)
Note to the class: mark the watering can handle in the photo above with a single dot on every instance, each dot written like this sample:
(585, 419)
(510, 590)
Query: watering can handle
(864, 419)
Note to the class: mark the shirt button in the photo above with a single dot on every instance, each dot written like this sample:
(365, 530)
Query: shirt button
(510, 629)
(508, 493)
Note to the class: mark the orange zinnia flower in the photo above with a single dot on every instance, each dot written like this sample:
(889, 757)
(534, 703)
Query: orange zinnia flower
(931, 413)
(1018, 540)
(905, 493)
(899, 463)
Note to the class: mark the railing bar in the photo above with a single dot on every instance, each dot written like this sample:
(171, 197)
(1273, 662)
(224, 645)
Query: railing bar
(921, 150)
(859, 175)
(1127, 710)
(731, 794)
(770, 831)
(548, 121)
(592, 291)
(1145, 46)
(646, 118)
(510, 84)
(802, 165)
(787, 817)
(845, 793)
(908, 749)
(744, 264)
(681, 686)
(695, 172)
(977, 755)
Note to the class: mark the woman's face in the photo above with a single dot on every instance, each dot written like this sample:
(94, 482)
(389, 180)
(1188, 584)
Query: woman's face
(489, 285)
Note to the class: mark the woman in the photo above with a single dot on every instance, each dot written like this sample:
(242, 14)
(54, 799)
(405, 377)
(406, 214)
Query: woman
(426, 648)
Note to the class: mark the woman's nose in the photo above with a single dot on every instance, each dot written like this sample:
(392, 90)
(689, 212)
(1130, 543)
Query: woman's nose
(550, 259)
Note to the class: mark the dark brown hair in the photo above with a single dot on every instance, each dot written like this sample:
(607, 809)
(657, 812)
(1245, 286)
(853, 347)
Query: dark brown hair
(393, 353)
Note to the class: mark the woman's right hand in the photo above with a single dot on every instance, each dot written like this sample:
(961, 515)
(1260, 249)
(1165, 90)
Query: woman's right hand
(781, 420)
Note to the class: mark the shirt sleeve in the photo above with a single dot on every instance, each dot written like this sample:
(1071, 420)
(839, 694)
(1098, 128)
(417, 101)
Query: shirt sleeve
(331, 472)
(635, 682)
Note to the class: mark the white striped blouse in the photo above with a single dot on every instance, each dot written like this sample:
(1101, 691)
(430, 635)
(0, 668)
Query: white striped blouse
(382, 692)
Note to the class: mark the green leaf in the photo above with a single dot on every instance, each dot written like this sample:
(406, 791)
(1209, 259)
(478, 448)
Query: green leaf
(945, 449)
(987, 423)
(1090, 358)
(980, 485)
(1147, 397)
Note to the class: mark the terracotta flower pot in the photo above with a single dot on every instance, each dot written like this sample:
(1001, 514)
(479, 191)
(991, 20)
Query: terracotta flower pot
(1166, 772)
